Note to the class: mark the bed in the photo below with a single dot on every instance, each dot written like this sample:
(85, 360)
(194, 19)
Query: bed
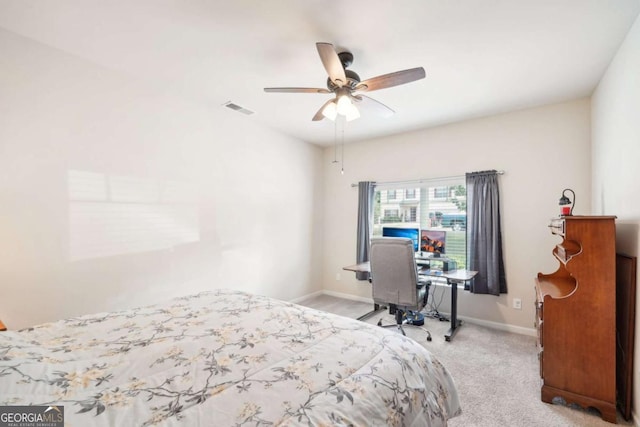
(225, 358)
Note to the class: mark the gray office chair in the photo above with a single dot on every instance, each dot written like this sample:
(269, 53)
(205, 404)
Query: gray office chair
(394, 280)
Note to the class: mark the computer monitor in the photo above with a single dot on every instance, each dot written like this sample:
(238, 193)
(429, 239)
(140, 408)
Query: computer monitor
(410, 233)
(433, 241)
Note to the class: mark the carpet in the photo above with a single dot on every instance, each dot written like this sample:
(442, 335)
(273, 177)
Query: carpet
(496, 372)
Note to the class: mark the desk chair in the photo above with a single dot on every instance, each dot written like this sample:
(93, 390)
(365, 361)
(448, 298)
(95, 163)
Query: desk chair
(394, 279)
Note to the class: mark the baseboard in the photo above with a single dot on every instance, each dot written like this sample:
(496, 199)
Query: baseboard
(500, 326)
(333, 294)
(348, 296)
(304, 297)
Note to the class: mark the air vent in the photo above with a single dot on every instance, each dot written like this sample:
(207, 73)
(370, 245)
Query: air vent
(238, 108)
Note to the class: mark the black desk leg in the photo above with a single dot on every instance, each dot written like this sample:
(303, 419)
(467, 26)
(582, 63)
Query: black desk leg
(376, 308)
(455, 324)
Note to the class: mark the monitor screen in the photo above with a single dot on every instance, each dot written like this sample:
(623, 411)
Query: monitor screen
(410, 233)
(433, 241)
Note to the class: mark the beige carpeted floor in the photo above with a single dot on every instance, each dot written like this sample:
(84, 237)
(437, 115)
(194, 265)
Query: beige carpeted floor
(496, 372)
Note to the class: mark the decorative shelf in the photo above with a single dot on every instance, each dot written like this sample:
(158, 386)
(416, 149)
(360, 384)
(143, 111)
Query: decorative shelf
(567, 250)
(554, 286)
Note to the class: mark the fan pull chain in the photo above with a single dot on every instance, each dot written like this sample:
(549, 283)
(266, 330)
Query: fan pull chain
(342, 148)
(335, 142)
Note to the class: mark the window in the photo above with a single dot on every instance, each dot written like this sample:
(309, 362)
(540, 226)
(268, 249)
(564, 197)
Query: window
(440, 192)
(412, 214)
(390, 215)
(433, 205)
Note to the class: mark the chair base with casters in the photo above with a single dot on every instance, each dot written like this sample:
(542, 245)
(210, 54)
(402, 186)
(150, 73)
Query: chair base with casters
(402, 321)
(404, 316)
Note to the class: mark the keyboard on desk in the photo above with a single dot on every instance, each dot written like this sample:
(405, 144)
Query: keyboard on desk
(432, 272)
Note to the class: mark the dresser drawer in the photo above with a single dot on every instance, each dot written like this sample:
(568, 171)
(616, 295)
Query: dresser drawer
(541, 363)
(539, 310)
(540, 329)
(557, 226)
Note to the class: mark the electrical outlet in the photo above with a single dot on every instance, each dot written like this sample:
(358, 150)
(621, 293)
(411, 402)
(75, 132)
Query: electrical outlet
(337, 277)
(517, 303)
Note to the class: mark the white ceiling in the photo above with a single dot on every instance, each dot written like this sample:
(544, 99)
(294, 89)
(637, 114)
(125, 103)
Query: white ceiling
(481, 57)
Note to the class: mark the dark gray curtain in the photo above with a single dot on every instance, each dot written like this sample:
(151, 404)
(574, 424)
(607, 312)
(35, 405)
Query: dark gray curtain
(484, 237)
(365, 219)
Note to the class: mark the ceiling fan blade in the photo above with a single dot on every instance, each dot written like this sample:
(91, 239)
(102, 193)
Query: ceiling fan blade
(296, 90)
(391, 79)
(319, 116)
(332, 63)
(370, 105)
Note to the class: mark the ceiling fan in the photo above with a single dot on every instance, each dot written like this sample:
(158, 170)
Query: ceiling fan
(346, 86)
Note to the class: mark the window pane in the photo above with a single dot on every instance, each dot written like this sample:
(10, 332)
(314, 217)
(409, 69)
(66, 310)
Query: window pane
(440, 192)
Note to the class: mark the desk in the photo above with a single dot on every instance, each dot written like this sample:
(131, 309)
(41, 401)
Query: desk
(453, 277)
(364, 267)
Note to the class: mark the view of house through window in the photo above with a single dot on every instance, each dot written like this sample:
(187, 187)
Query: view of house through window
(438, 208)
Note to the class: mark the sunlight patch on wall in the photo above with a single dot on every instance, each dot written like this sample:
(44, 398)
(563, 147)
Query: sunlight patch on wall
(116, 215)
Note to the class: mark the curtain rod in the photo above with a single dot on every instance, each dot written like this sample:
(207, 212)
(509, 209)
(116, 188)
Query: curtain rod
(424, 180)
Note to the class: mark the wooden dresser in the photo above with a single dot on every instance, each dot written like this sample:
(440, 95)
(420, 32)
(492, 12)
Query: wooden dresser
(576, 315)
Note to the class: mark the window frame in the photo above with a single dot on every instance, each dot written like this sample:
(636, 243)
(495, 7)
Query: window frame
(432, 213)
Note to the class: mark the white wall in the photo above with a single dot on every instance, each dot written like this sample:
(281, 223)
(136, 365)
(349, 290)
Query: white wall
(542, 151)
(257, 194)
(616, 157)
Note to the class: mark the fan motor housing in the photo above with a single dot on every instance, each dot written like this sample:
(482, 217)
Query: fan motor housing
(346, 59)
(352, 80)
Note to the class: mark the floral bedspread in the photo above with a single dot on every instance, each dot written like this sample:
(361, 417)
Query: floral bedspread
(225, 358)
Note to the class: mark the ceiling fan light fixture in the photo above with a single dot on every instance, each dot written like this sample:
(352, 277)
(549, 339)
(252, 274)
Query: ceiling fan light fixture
(352, 113)
(330, 111)
(344, 105)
